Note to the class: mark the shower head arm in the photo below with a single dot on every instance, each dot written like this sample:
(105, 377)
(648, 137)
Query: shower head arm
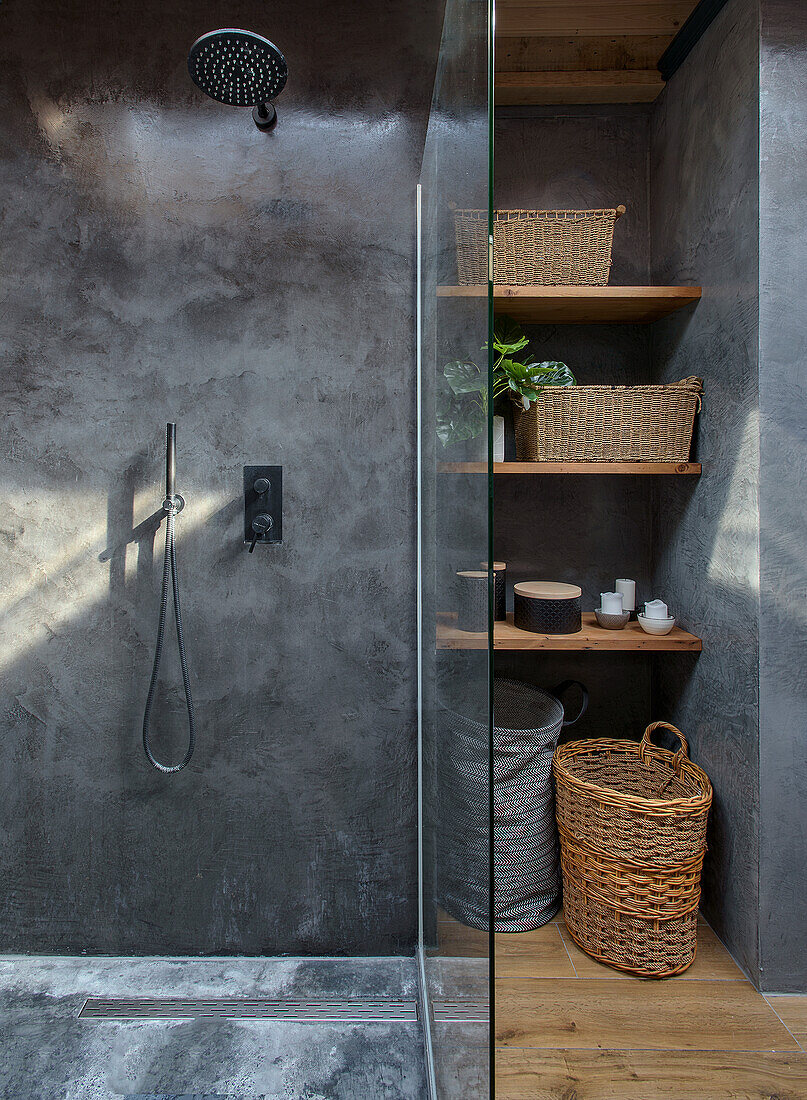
(265, 115)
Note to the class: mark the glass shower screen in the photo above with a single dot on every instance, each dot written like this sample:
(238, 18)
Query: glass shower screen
(455, 581)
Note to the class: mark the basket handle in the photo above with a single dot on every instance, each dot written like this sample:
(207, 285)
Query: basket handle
(559, 690)
(694, 384)
(646, 743)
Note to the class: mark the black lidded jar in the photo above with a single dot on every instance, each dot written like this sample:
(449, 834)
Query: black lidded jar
(472, 601)
(499, 589)
(547, 607)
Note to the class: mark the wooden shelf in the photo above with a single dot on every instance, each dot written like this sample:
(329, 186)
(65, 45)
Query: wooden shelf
(680, 469)
(577, 305)
(591, 637)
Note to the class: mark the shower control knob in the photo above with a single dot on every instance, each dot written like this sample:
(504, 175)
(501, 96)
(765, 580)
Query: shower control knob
(260, 525)
(262, 485)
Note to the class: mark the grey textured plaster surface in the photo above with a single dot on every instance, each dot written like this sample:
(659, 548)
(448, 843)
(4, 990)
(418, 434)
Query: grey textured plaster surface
(783, 483)
(45, 1050)
(580, 158)
(704, 229)
(163, 259)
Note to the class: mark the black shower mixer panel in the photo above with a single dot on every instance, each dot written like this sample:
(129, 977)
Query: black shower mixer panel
(263, 505)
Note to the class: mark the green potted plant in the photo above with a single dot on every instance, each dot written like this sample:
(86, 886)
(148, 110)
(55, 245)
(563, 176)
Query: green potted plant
(463, 409)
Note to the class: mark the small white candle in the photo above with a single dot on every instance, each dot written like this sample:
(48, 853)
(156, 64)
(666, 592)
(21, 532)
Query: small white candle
(656, 609)
(611, 603)
(628, 590)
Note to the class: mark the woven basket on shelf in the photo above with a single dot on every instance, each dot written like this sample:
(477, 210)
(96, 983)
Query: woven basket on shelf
(536, 247)
(632, 823)
(609, 423)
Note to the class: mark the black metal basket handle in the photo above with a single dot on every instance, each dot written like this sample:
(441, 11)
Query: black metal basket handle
(559, 690)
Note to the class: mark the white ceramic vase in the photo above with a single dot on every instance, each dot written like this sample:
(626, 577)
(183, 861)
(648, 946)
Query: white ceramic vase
(498, 439)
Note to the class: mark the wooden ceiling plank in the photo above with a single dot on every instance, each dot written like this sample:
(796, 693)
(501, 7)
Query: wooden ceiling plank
(578, 52)
(620, 86)
(520, 18)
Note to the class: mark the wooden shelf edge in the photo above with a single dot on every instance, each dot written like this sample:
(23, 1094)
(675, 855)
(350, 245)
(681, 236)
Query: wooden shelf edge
(677, 469)
(504, 290)
(582, 304)
(592, 637)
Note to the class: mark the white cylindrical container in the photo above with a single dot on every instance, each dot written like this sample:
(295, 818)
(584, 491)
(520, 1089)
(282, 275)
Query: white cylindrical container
(628, 590)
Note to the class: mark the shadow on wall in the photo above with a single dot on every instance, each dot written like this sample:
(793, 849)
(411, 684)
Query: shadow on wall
(122, 533)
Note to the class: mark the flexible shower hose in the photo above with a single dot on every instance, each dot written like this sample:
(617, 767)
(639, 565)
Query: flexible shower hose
(169, 576)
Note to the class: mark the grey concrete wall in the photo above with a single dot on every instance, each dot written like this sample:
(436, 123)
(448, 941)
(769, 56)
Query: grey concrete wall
(783, 482)
(163, 259)
(584, 530)
(704, 219)
(580, 158)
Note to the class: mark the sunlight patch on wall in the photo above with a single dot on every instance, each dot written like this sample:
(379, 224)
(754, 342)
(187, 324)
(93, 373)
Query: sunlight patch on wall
(61, 573)
(734, 561)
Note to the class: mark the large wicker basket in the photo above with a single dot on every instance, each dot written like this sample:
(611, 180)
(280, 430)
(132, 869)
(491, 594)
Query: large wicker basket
(632, 823)
(609, 423)
(536, 247)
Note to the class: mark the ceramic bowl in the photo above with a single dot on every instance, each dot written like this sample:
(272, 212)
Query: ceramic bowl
(655, 626)
(612, 622)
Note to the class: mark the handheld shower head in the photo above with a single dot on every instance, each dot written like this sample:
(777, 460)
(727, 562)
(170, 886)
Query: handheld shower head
(241, 69)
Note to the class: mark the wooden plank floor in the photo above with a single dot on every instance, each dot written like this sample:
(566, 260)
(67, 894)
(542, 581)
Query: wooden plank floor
(568, 1028)
(643, 1075)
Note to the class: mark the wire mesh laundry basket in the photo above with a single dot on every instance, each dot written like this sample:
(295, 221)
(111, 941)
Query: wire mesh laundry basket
(526, 866)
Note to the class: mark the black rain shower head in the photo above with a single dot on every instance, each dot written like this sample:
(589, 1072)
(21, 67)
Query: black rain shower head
(241, 69)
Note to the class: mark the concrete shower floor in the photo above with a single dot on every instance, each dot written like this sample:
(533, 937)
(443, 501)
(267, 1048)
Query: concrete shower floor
(47, 1053)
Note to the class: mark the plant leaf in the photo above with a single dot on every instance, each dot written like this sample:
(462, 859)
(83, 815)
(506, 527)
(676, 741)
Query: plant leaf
(508, 336)
(458, 418)
(527, 380)
(465, 376)
(552, 374)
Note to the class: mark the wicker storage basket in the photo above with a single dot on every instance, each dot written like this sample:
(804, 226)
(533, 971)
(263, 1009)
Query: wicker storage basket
(632, 825)
(609, 423)
(536, 247)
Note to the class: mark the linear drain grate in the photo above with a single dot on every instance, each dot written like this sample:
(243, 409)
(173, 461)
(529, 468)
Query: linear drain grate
(461, 1010)
(332, 1010)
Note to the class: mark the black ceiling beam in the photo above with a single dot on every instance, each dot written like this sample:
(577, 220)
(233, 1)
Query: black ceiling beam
(688, 37)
